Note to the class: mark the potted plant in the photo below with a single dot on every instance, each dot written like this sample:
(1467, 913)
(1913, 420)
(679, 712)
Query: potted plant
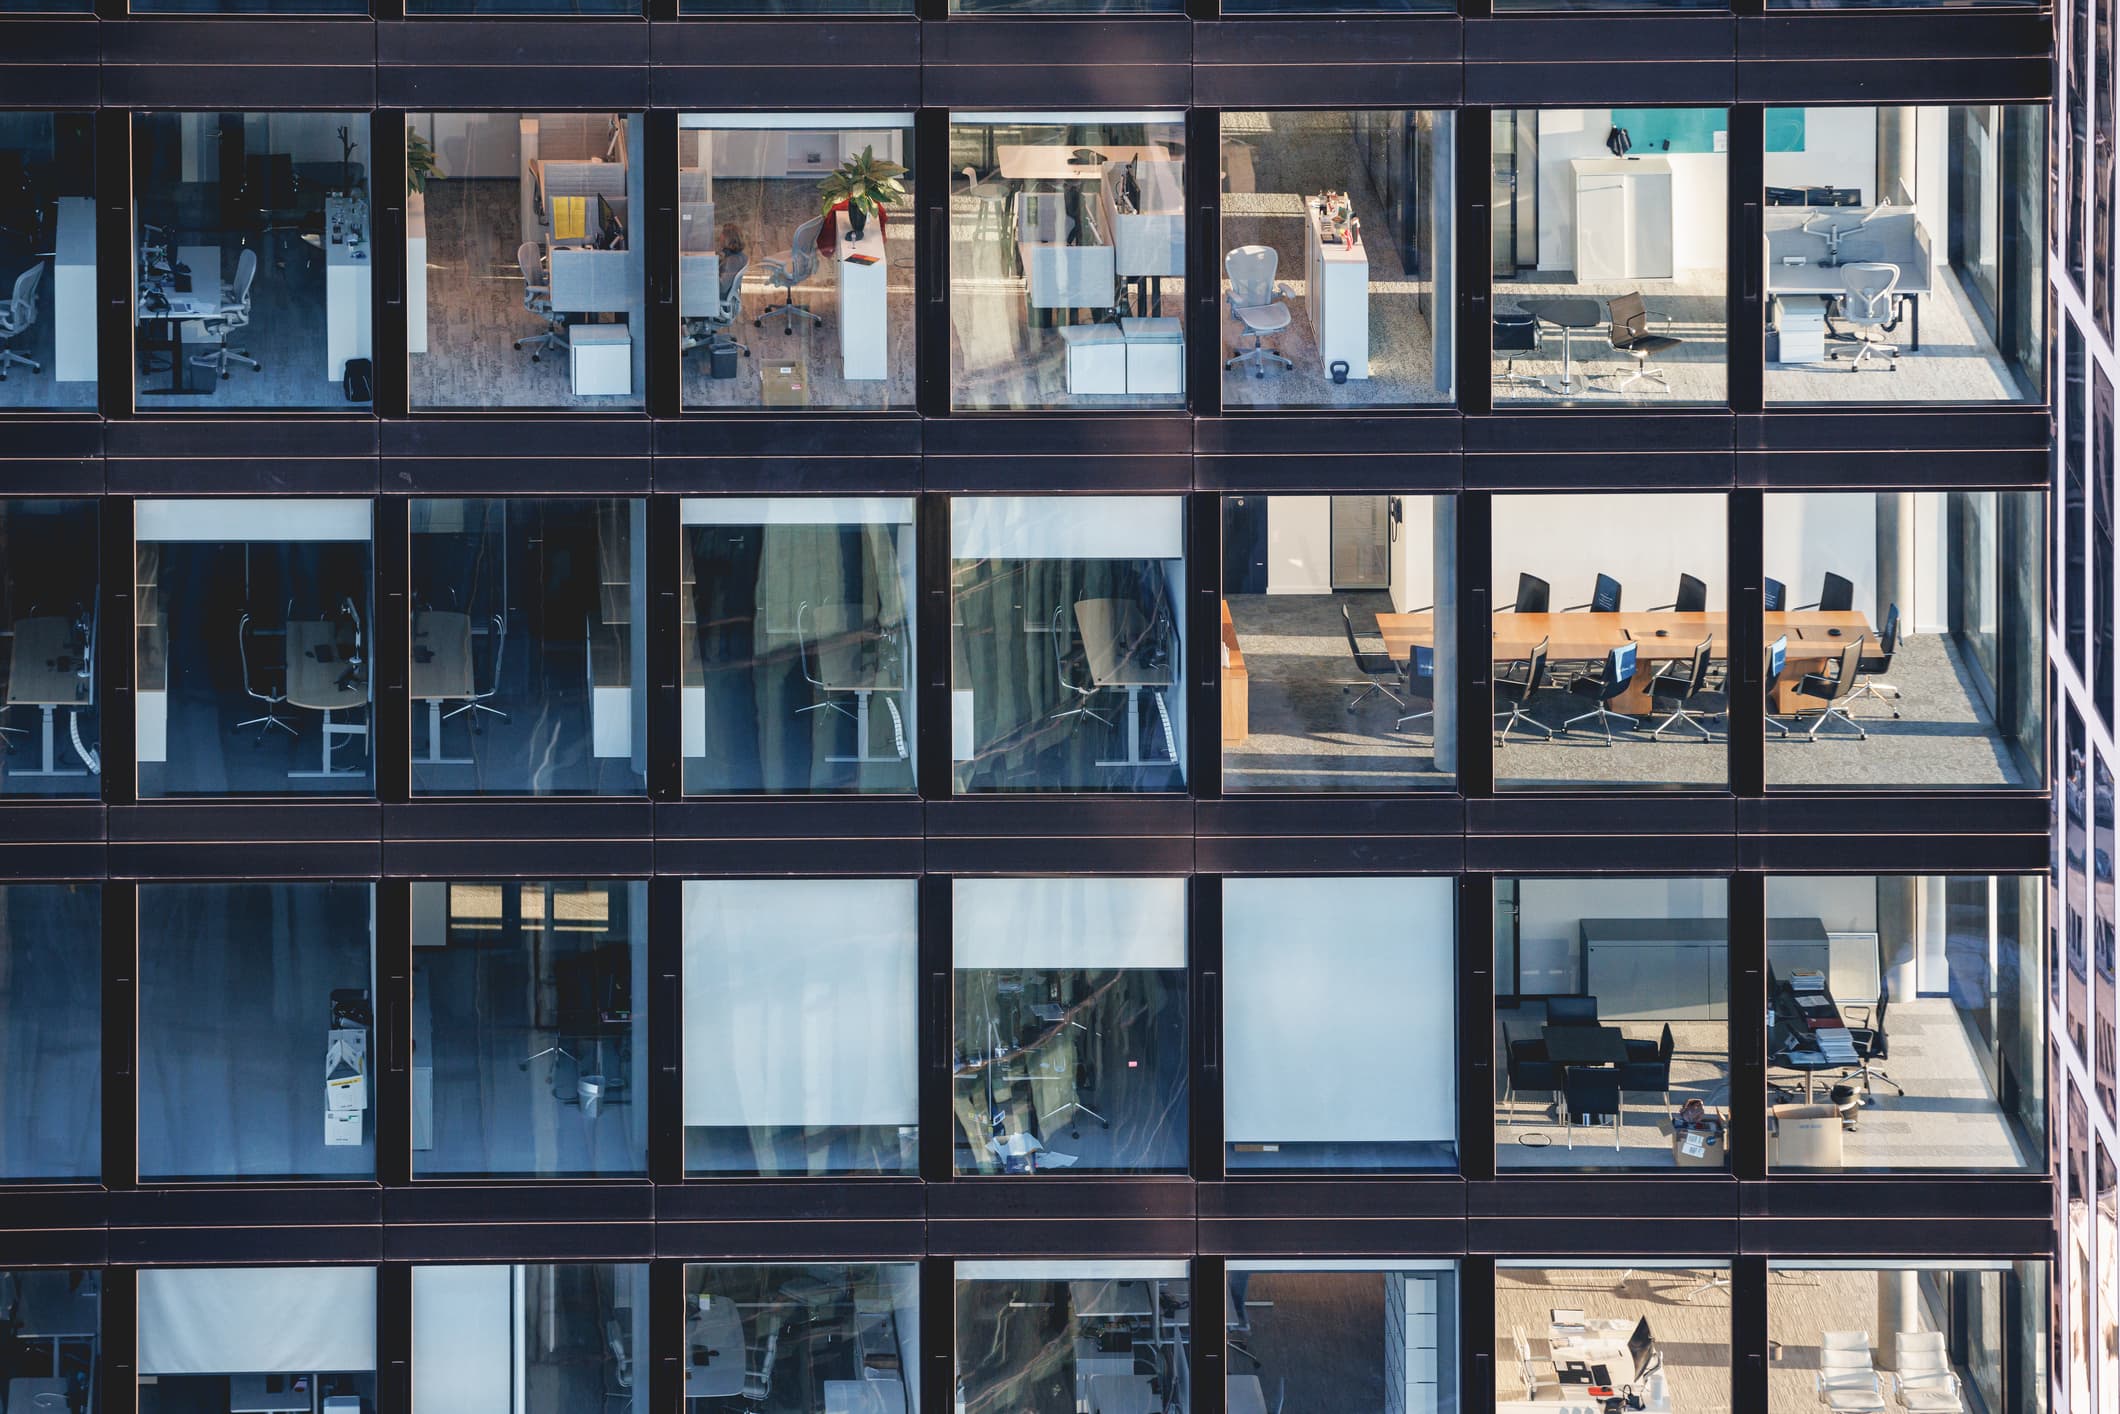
(419, 160)
(862, 185)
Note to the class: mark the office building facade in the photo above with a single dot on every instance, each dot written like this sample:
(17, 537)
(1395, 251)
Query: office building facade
(779, 707)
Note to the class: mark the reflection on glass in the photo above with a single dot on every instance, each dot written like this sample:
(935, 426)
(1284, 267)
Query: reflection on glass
(251, 256)
(1904, 632)
(1608, 991)
(1609, 255)
(2108, 1225)
(1610, 641)
(795, 233)
(2076, 1014)
(1958, 1334)
(258, 1338)
(51, 1037)
(1338, 591)
(797, 636)
(1949, 967)
(1065, 7)
(1067, 646)
(794, 7)
(1880, 219)
(251, 674)
(52, 1347)
(1662, 1333)
(2076, 1239)
(523, 254)
(47, 259)
(256, 1023)
(564, 1338)
(800, 1026)
(528, 1029)
(1059, 1337)
(50, 616)
(528, 672)
(1337, 259)
(1067, 260)
(520, 7)
(1070, 1032)
(2107, 1010)
(1323, 1334)
(1366, 1000)
(809, 1339)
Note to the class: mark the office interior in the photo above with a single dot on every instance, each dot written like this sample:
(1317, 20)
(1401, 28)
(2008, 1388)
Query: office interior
(523, 260)
(257, 1340)
(1612, 1023)
(1067, 260)
(813, 1338)
(1361, 1334)
(1067, 645)
(777, 312)
(2088, 1307)
(1069, 1038)
(256, 1016)
(529, 657)
(529, 1338)
(50, 616)
(1656, 1333)
(252, 261)
(1332, 676)
(1610, 256)
(799, 644)
(1951, 201)
(47, 262)
(51, 1034)
(528, 1028)
(800, 1026)
(1074, 1337)
(1337, 249)
(51, 1339)
(1934, 981)
(1366, 1003)
(251, 659)
(1953, 1336)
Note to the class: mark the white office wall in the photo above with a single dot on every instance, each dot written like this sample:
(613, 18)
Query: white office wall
(462, 1339)
(1700, 182)
(1413, 555)
(472, 145)
(1548, 910)
(1839, 149)
(1075, 922)
(1843, 903)
(255, 1320)
(1299, 545)
(1810, 533)
(1645, 541)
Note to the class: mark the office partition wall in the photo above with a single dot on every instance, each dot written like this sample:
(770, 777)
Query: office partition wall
(47, 262)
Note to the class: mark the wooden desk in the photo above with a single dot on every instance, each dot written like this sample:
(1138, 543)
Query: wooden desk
(324, 687)
(1047, 162)
(1236, 683)
(42, 673)
(445, 674)
(1124, 650)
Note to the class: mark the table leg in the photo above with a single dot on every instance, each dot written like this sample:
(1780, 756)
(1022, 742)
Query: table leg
(434, 730)
(1133, 730)
(1567, 352)
(48, 740)
(861, 724)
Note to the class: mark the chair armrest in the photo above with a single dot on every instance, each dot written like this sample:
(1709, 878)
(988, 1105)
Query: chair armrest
(779, 267)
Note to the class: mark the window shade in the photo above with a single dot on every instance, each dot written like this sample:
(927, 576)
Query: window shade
(242, 519)
(1066, 528)
(1075, 923)
(796, 510)
(248, 1320)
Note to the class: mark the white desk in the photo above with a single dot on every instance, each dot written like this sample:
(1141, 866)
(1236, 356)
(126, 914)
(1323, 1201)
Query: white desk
(1111, 1297)
(864, 329)
(864, 1397)
(1338, 294)
(601, 358)
(1599, 1341)
(348, 283)
(718, 1329)
(416, 272)
(74, 291)
(1047, 162)
(199, 302)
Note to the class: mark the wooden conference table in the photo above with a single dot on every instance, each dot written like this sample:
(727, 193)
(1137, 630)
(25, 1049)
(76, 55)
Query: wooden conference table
(1815, 639)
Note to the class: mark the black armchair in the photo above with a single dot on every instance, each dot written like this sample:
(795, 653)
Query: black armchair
(1420, 684)
(1835, 595)
(1604, 597)
(1692, 597)
(1592, 1090)
(1677, 686)
(1615, 679)
(1834, 689)
(1533, 594)
(1774, 596)
(1872, 1045)
(1652, 1050)
(1528, 1068)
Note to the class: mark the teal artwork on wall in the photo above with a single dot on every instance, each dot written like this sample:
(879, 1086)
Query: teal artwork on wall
(1662, 130)
(1785, 129)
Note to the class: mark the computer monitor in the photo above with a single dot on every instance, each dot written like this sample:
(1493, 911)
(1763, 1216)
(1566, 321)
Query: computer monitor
(610, 231)
(1641, 1345)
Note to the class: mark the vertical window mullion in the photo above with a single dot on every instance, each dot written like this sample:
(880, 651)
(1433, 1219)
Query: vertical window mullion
(393, 1014)
(1745, 346)
(1203, 191)
(1475, 1049)
(937, 1032)
(387, 237)
(1475, 261)
(666, 1039)
(1210, 1044)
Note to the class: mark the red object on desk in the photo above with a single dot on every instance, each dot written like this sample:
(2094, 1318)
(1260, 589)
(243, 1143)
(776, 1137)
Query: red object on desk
(828, 234)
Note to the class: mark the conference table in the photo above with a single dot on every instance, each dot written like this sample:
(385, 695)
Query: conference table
(1816, 638)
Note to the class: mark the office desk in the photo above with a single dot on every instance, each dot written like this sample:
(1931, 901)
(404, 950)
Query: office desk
(1047, 162)
(247, 1394)
(716, 1332)
(35, 679)
(323, 687)
(1338, 283)
(1585, 1045)
(862, 660)
(864, 328)
(1123, 1394)
(347, 283)
(445, 675)
(1896, 238)
(74, 290)
(864, 1397)
(1110, 1297)
(202, 301)
(1597, 1341)
(1125, 651)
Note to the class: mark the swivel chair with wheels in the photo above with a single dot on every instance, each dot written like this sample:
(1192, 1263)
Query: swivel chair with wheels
(1615, 678)
(1516, 334)
(1082, 695)
(711, 329)
(1872, 1045)
(537, 298)
(234, 314)
(1256, 303)
(1835, 688)
(1532, 594)
(265, 694)
(1420, 684)
(1676, 686)
(785, 274)
(1630, 335)
(1373, 663)
(477, 702)
(1867, 306)
(1878, 664)
(16, 315)
(1518, 692)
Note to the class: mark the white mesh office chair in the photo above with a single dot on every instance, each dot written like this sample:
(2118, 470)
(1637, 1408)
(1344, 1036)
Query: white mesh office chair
(477, 703)
(712, 327)
(1923, 1381)
(1255, 302)
(1851, 1391)
(16, 315)
(234, 314)
(785, 274)
(537, 298)
(1867, 307)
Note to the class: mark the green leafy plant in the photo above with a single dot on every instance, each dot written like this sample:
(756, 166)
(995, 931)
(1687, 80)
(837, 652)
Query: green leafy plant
(419, 160)
(866, 183)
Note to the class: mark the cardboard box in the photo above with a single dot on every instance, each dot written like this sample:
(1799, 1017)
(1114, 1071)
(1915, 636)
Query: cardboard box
(784, 382)
(342, 1128)
(346, 1070)
(1803, 1136)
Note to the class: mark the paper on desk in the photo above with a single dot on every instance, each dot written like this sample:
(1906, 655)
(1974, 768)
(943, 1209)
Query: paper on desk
(570, 217)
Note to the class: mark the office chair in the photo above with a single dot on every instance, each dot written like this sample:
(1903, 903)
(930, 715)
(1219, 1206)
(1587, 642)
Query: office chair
(1571, 1011)
(1867, 305)
(1692, 597)
(1615, 678)
(1516, 334)
(1777, 660)
(1519, 692)
(1662, 1049)
(1878, 665)
(1923, 1381)
(712, 328)
(992, 199)
(271, 699)
(1420, 684)
(1591, 1090)
(1773, 595)
(17, 315)
(1836, 595)
(537, 298)
(786, 274)
(1651, 1077)
(234, 314)
(1833, 689)
(1532, 594)
(758, 1360)
(476, 703)
(621, 1369)
(1851, 1391)
(1372, 663)
(1604, 597)
(1082, 695)
(1678, 688)
(1844, 1350)
(1255, 302)
(1872, 1044)
(1527, 1066)
(1630, 335)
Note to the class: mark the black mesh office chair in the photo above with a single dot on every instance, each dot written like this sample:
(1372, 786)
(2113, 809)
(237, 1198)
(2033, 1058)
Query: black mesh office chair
(1613, 679)
(1692, 597)
(1676, 686)
(1878, 664)
(1532, 594)
(1373, 663)
(1518, 691)
(1835, 595)
(1835, 688)
(1872, 1045)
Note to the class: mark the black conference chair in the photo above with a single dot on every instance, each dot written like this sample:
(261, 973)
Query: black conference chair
(1878, 664)
(1604, 597)
(1834, 689)
(1652, 1050)
(1571, 1011)
(1777, 660)
(1615, 678)
(1373, 663)
(1518, 691)
(1871, 1045)
(1419, 683)
(1592, 1090)
(1532, 594)
(1835, 595)
(1647, 1077)
(1773, 596)
(1676, 686)
(1516, 334)
(1529, 1069)
(1692, 597)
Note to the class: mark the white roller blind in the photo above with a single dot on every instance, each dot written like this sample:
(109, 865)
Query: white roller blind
(1074, 923)
(1072, 119)
(1072, 1271)
(1066, 528)
(250, 520)
(246, 1320)
(800, 1001)
(462, 1339)
(1339, 1010)
(797, 122)
(796, 510)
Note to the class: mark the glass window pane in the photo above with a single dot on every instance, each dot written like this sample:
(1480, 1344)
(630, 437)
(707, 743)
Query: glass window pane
(1949, 967)
(1327, 1334)
(251, 672)
(530, 1338)
(2075, 1242)
(1661, 1331)
(1344, 986)
(1612, 1023)
(796, 237)
(1610, 256)
(252, 259)
(1609, 640)
(523, 252)
(1300, 574)
(1323, 308)
(51, 1034)
(1070, 1034)
(1057, 218)
(256, 1018)
(752, 1328)
(51, 722)
(1058, 1337)
(53, 1350)
(48, 260)
(529, 647)
(712, 8)
(1067, 643)
(529, 1046)
(798, 644)
(257, 1338)
(2071, 529)
(801, 1024)
(1904, 634)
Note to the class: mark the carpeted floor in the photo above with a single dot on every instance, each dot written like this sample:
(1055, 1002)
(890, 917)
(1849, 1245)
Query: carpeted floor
(1802, 1304)
(1688, 1316)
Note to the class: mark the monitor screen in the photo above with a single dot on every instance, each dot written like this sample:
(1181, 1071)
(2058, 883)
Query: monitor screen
(1640, 1345)
(610, 232)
